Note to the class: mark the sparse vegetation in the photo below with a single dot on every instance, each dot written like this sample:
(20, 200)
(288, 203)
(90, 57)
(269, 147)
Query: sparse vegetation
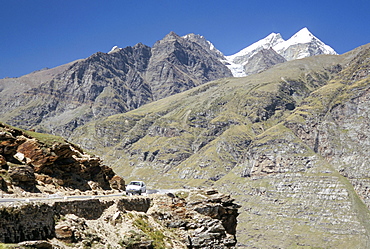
(8, 246)
(154, 234)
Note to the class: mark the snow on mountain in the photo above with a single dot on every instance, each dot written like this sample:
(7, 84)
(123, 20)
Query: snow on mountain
(115, 48)
(303, 44)
(265, 43)
(236, 62)
(300, 45)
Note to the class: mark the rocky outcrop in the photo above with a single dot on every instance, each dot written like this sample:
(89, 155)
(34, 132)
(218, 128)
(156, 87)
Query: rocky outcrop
(45, 164)
(187, 219)
(262, 60)
(206, 219)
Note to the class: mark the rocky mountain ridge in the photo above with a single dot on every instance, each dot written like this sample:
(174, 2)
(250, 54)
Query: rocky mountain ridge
(59, 100)
(105, 84)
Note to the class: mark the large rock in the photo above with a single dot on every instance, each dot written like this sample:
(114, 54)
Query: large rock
(21, 174)
(30, 152)
(3, 185)
(117, 182)
(207, 218)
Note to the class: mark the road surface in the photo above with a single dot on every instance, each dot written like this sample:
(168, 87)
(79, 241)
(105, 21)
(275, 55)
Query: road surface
(83, 197)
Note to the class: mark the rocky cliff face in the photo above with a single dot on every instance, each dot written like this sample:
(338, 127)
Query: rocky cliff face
(187, 219)
(59, 100)
(178, 64)
(289, 143)
(33, 164)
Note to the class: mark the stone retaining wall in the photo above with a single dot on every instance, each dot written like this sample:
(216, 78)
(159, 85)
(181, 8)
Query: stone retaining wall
(36, 221)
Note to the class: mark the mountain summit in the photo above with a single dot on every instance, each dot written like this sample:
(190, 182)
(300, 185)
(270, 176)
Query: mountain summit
(302, 44)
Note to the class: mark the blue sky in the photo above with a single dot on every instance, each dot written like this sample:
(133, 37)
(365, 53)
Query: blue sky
(46, 33)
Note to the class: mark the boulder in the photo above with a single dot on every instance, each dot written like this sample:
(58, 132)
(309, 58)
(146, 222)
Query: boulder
(3, 185)
(117, 182)
(63, 150)
(2, 161)
(35, 155)
(64, 232)
(21, 173)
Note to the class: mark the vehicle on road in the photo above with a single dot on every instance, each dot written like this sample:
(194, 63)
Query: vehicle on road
(136, 187)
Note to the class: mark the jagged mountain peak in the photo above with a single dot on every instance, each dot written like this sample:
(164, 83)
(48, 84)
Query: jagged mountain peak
(117, 49)
(185, 62)
(171, 36)
(202, 41)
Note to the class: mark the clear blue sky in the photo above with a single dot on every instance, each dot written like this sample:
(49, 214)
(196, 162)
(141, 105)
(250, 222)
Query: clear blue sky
(46, 33)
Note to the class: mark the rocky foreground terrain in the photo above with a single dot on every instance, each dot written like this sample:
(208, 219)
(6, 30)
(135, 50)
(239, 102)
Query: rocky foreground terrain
(32, 164)
(41, 169)
(188, 219)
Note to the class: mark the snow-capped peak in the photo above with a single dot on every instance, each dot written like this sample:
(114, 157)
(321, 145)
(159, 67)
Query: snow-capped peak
(269, 41)
(302, 44)
(304, 36)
